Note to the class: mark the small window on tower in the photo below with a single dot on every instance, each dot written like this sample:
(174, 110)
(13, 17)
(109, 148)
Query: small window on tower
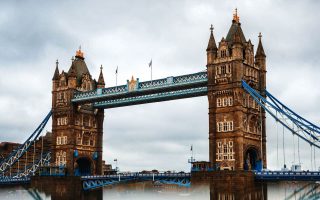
(218, 102)
(223, 69)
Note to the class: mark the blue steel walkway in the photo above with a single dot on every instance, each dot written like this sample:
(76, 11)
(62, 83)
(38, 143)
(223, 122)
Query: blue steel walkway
(135, 92)
(93, 182)
(288, 176)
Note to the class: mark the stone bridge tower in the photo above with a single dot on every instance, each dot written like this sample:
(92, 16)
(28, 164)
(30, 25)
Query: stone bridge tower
(76, 129)
(237, 133)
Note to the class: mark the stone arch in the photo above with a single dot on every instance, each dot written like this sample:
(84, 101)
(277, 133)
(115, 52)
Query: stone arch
(252, 158)
(84, 166)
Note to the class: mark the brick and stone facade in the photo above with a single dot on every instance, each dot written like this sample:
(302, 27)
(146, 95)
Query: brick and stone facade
(76, 129)
(237, 133)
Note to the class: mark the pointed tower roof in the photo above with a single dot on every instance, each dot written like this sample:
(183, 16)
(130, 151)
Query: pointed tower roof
(78, 66)
(260, 50)
(56, 72)
(101, 79)
(212, 43)
(235, 28)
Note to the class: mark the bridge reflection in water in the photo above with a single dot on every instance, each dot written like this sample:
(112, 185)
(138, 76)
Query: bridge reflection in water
(71, 189)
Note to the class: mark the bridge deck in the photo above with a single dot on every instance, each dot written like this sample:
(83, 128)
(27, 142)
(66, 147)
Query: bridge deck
(170, 88)
(288, 176)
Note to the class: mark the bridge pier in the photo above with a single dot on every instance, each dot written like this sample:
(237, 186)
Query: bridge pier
(236, 177)
(68, 187)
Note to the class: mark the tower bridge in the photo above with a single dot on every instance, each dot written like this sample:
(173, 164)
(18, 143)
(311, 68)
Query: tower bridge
(234, 81)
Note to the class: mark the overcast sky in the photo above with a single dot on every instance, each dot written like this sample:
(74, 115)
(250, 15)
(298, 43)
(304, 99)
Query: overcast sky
(33, 34)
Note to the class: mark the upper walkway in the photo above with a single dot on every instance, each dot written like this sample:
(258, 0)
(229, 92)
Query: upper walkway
(135, 92)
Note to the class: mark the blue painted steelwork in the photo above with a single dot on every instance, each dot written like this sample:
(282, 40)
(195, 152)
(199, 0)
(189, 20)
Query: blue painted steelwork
(290, 120)
(151, 98)
(8, 181)
(31, 169)
(287, 176)
(159, 90)
(20, 151)
(93, 182)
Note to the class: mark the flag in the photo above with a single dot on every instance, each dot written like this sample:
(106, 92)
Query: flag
(191, 148)
(117, 70)
(150, 63)
(115, 160)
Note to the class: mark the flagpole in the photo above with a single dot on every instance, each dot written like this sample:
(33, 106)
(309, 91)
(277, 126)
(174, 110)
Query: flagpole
(151, 72)
(117, 76)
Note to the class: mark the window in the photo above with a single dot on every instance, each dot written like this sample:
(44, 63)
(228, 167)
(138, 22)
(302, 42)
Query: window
(225, 102)
(231, 126)
(223, 69)
(225, 150)
(223, 53)
(218, 102)
(230, 101)
(229, 69)
(220, 126)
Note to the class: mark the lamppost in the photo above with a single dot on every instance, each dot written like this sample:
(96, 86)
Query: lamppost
(116, 160)
(191, 160)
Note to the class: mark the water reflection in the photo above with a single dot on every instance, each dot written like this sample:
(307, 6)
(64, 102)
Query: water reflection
(221, 190)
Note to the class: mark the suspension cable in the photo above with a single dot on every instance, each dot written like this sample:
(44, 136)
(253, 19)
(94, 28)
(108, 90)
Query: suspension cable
(299, 152)
(34, 150)
(284, 153)
(294, 150)
(26, 161)
(41, 147)
(261, 135)
(277, 123)
(314, 158)
(311, 157)
(18, 166)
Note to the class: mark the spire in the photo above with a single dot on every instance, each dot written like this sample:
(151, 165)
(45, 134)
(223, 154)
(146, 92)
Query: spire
(72, 71)
(235, 29)
(236, 18)
(260, 50)
(101, 79)
(56, 72)
(79, 53)
(237, 36)
(212, 43)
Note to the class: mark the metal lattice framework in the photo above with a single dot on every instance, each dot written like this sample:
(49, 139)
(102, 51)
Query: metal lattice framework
(165, 89)
(151, 98)
(15, 155)
(45, 160)
(93, 182)
(296, 124)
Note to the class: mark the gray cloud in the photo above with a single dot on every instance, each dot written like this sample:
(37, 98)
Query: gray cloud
(174, 34)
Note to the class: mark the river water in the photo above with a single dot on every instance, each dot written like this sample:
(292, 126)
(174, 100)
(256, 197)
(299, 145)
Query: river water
(147, 190)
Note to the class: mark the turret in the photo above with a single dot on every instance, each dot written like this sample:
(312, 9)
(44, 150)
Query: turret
(260, 61)
(237, 47)
(101, 83)
(72, 77)
(260, 56)
(212, 48)
(55, 78)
